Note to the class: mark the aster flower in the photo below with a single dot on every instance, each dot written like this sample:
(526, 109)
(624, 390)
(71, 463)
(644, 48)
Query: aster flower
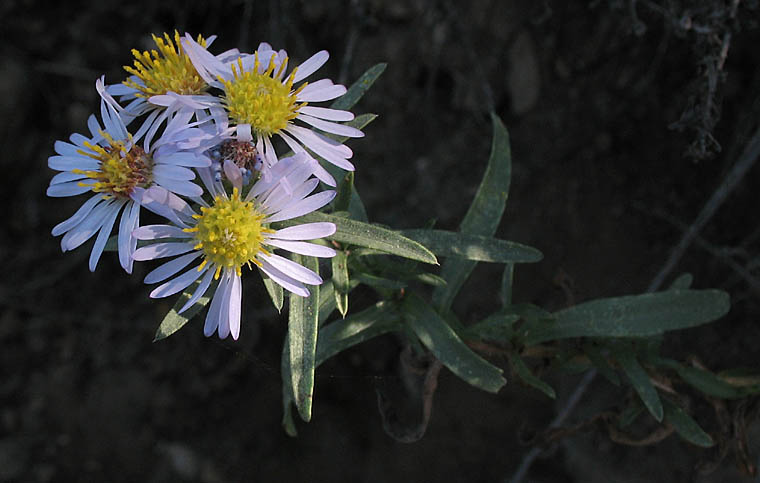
(164, 83)
(234, 231)
(261, 101)
(119, 173)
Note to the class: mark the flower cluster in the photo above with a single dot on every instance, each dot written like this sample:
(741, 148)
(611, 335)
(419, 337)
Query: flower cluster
(191, 136)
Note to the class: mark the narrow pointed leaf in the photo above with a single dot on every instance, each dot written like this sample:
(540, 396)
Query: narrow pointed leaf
(287, 391)
(704, 381)
(484, 214)
(302, 335)
(173, 321)
(683, 282)
(601, 364)
(496, 327)
(363, 234)
(686, 427)
(473, 247)
(640, 382)
(524, 373)
(340, 281)
(359, 88)
(447, 347)
(632, 316)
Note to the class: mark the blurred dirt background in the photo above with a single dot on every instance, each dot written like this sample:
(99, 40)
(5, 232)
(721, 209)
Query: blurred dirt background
(602, 184)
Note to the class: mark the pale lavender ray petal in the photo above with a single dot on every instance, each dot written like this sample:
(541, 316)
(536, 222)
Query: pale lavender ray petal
(87, 228)
(71, 188)
(173, 172)
(285, 281)
(161, 250)
(212, 318)
(205, 282)
(236, 296)
(306, 205)
(307, 231)
(292, 269)
(153, 232)
(327, 113)
(176, 284)
(65, 177)
(303, 248)
(77, 217)
(166, 270)
(311, 65)
(331, 127)
(326, 94)
(105, 232)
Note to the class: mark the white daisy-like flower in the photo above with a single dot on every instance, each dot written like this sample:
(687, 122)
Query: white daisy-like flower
(164, 84)
(119, 173)
(234, 231)
(261, 101)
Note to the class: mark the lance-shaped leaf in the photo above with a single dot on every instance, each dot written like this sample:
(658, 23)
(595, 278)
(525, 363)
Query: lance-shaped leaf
(359, 88)
(685, 426)
(447, 347)
(703, 380)
(640, 381)
(340, 281)
(601, 364)
(174, 321)
(303, 321)
(484, 214)
(632, 316)
(524, 373)
(354, 232)
(496, 327)
(474, 247)
(338, 336)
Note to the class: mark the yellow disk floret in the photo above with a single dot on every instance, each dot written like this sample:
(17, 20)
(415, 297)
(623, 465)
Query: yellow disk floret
(120, 170)
(167, 69)
(261, 100)
(230, 233)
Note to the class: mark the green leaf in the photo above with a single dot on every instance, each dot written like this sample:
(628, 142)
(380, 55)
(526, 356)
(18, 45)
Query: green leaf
(507, 279)
(523, 371)
(632, 316)
(338, 336)
(174, 321)
(601, 364)
(334, 338)
(359, 88)
(683, 282)
(287, 391)
(444, 343)
(640, 381)
(274, 290)
(371, 236)
(685, 426)
(302, 333)
(496, 327)
(379, 282)
(340, 281)
(474, 247)
(327, 299)
(484, 214)
(704, 381)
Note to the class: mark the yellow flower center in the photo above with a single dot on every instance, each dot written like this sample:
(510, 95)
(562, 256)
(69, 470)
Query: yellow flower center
(120, 170)
(261, 100)
(168, 69)
(230, 233)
